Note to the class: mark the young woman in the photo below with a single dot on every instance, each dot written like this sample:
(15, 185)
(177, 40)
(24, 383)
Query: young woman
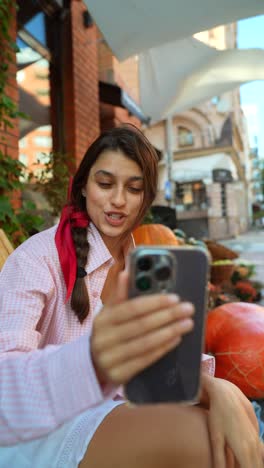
(69, 337)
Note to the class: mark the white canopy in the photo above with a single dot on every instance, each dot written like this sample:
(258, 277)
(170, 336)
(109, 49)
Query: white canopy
(131, 27)
(202, 167)
(181, 74)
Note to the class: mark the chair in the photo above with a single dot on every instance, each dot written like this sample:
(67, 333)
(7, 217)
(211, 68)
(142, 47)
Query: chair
(6, 248)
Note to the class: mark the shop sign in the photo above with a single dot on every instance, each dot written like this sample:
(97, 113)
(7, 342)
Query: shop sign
(222, 176)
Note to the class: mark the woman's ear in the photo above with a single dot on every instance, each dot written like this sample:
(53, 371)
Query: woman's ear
(83, 193)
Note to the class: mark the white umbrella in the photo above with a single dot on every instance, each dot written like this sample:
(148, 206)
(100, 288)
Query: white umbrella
(131, 27)
(184, 73)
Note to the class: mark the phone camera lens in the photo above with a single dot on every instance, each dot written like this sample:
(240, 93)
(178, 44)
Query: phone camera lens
(144, 263)
(163, 273)
(143, 283)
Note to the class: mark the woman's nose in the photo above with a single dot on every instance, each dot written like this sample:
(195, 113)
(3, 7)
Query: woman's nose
(118, 198)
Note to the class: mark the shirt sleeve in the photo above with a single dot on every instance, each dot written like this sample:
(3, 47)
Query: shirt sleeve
(40, 389)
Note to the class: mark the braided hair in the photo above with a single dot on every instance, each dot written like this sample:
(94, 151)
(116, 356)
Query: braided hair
(134, 145)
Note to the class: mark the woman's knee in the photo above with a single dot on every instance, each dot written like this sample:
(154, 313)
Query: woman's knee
(151, 437)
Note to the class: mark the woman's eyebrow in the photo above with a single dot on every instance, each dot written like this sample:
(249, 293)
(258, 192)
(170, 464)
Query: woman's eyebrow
(136, 178)
(110, 174)
(105, 173)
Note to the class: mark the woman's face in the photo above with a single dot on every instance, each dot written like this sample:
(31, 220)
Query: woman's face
(114, 194)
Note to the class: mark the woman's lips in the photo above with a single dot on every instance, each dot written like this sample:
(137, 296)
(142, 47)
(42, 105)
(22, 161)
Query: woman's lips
(115, 219)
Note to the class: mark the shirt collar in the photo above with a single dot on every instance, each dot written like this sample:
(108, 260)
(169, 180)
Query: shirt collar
(99, 253)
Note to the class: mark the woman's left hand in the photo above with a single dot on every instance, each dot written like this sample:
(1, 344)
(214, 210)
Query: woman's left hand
(232, 423)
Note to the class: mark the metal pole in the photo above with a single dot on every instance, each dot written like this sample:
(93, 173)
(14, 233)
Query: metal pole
(169, 151)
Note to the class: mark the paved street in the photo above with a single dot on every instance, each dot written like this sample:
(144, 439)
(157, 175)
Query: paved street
(250, 246)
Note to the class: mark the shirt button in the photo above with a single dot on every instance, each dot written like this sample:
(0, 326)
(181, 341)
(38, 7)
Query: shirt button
(95, 294)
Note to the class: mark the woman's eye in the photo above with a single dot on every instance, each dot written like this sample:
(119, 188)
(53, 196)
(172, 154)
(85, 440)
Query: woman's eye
(135, 189)
(104, 184)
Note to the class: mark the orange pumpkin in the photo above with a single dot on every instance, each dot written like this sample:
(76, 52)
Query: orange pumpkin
(154, 234)
(235, 336)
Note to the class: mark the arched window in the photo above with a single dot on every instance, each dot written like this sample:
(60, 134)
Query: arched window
(185, 137)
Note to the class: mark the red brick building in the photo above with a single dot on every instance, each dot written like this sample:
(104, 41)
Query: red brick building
(64, 83)
(9, 136)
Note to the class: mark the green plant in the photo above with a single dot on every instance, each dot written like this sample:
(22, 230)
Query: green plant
(53, 179)
(259, 214)
(148, 218)
(18, 224)
(8, 109)
(21, 223)
(243, 271)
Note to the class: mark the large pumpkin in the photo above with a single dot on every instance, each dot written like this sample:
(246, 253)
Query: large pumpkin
(235, 336)
(154, 234)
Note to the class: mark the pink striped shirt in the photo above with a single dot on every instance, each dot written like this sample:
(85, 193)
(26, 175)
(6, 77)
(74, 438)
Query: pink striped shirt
(46, 372)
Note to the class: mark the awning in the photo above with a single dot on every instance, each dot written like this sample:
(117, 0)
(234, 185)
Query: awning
(116, 96)
(26, 57)
(130, 27)
(184, 73)
(202, 168)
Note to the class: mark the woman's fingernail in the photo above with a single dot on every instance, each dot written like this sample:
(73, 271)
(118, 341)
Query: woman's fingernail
(186, 323)
(187, 308)
(173, 298)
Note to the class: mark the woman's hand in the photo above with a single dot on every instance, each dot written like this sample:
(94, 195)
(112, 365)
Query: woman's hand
(129, 335)
(233, 425)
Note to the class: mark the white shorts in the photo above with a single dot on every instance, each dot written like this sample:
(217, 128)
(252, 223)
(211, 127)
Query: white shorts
(62, 448)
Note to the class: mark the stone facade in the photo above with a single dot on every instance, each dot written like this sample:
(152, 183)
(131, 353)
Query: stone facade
(210, 136)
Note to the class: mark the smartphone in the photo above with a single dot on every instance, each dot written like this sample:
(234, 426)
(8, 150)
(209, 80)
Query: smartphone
(184, 271)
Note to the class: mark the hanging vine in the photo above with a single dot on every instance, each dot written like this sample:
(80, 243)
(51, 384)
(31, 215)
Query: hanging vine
(18, 224)
(8, 109)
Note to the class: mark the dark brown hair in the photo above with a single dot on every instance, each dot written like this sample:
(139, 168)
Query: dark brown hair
(135, 146)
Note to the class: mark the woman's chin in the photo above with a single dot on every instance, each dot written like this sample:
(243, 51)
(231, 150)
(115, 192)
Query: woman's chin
(111, 231)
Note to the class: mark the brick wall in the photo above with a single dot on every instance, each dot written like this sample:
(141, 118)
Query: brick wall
(125, 75)
(81, 94)
(112, 116)
(9, 136)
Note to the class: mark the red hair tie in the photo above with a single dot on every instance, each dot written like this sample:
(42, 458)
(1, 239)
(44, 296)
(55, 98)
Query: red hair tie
(65, 245)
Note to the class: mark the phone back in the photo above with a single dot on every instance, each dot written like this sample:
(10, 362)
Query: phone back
(176, 376)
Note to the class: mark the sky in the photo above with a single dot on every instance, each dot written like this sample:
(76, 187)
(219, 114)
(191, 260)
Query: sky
(251, 34)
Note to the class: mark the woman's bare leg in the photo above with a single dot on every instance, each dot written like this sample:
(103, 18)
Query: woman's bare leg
(160, 436)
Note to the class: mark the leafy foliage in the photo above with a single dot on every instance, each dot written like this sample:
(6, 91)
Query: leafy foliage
(53, 179)
(17, 224)
(8, 109)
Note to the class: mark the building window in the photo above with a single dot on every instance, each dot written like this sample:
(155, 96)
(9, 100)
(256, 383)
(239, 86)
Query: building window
(42, 92)
(45, 128)
(22, 142)
(191, 195)
(23, 158)
(45, 141)
(215, 100)
(42, 158)
(42, 76)
(185, 137)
